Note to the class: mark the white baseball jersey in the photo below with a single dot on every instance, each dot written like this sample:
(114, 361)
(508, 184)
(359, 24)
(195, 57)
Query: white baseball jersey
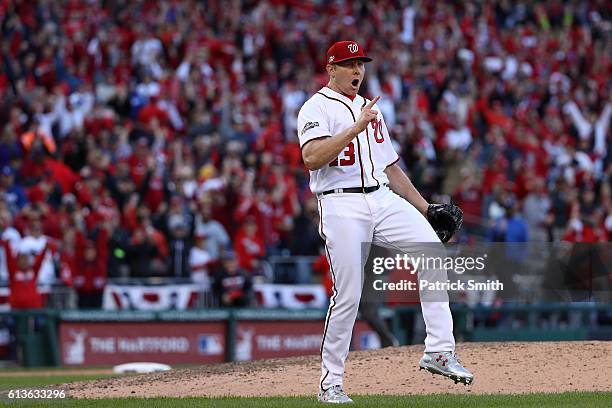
(363, 162)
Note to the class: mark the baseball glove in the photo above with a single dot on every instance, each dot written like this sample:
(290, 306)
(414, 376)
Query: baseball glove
(446, 219)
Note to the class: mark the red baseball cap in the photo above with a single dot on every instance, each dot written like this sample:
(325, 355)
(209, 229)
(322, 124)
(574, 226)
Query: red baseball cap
(345, 50)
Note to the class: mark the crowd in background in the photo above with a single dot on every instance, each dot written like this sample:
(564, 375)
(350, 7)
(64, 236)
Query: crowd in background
(158, 138)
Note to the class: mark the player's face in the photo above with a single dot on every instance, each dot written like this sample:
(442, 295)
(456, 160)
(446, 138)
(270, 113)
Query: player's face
(347, 75)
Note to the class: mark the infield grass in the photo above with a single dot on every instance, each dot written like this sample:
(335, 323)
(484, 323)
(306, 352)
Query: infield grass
(12, 382)
(569, 399)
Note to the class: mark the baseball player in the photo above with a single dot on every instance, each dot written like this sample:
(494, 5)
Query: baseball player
(364, 196)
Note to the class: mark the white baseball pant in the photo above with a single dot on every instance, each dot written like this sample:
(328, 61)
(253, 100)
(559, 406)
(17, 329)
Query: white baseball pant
(347, 220)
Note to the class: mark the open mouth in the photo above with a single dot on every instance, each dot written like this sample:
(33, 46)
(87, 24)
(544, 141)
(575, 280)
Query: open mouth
(355, 82)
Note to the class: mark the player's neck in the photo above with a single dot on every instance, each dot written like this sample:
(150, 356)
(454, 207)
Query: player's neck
(336, 89)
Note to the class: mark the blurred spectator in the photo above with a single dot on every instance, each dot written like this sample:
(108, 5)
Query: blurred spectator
(232, 285)
(561, 198)
(45, 191)
(180, 246)
(536, 208)
(582, 229)
(249, 246)
(217, 239)
(200, 262)
(13, 194)
(118, 242)
(90, 269)
(468, 196)
(34, 242)
(10, 147)
(305, 239)
(8, 234)
(457, 136)
(509, 228)
(147, 250)
(23, 275)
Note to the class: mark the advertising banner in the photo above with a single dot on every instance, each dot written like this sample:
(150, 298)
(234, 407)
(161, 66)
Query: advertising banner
(111, 343)
(272, 339)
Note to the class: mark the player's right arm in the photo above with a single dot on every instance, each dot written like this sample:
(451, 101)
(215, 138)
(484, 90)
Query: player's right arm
(318, 150)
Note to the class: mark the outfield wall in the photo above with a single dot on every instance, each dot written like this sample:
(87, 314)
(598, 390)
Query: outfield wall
(103, 338)
(194, 337)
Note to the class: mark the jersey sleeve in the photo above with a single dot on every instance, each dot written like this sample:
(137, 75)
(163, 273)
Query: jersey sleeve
(390, 155)
(312, 123)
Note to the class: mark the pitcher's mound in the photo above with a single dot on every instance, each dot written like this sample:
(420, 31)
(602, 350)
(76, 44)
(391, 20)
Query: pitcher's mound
(499, 368)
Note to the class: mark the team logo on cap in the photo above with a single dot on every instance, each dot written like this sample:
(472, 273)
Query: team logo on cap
(331, 59)
(353, 48)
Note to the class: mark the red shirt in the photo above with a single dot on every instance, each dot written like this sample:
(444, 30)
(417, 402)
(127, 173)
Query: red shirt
(152, 111)
(588, 234)
(90, 276)
(24, 293)
(248, 249)
(63, 174)
(470, 200)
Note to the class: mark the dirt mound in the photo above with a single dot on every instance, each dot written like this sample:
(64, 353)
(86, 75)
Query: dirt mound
(499, 368)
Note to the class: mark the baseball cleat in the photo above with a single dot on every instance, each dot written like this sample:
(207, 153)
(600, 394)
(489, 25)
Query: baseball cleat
(334, 395)
(447, 364)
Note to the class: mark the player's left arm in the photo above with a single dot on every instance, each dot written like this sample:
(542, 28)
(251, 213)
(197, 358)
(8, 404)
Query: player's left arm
(400, 183)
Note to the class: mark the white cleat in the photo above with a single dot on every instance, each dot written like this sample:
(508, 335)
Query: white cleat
(334, 395)
(447, 364)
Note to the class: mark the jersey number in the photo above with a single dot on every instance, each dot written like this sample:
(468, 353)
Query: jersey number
(378, 133)
(348, 159)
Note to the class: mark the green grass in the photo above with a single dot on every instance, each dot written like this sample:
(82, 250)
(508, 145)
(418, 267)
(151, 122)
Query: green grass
(570, 399)
(46, 369)
(7, 383)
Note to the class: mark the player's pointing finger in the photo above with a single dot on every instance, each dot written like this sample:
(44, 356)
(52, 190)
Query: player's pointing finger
(372, 102)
